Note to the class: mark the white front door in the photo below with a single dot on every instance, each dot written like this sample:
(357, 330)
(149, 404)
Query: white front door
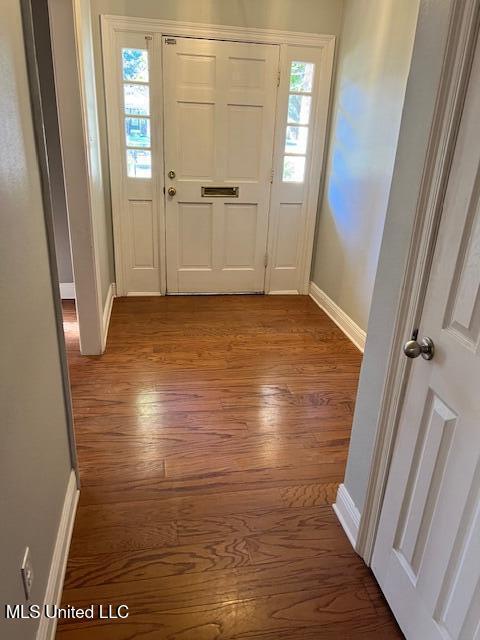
(219, 126)
(427, 553)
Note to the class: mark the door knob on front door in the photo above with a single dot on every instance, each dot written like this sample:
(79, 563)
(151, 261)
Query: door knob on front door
(171, 191)
(413, 349)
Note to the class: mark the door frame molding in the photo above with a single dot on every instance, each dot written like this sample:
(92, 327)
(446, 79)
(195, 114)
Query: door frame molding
(110, 24)
(459, 51)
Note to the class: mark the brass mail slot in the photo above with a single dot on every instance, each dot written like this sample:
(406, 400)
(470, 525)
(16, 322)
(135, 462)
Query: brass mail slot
(220, 192)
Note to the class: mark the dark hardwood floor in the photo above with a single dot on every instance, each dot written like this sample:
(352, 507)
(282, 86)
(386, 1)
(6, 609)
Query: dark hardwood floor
(212, 435)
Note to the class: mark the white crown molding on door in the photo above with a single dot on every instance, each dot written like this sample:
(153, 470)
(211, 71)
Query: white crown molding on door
(213, 31)
(343, 321)
(53, 593)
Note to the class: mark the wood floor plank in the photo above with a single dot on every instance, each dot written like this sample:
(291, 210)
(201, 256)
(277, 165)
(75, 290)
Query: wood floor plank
(212, 436)
(299, 522)
(153, 488)
(106, 569)
(236, 581)
(285, 613)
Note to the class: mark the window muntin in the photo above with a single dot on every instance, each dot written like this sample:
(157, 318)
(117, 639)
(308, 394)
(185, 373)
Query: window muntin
(136, 112)
(298, 119)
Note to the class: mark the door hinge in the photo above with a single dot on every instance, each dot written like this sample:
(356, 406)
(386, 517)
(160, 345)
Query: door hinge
(272, 173)
(170, 41)
(265, 259)
(278, 78)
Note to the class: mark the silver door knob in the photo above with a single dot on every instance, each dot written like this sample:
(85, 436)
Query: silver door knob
(171, 191)
(413, 349)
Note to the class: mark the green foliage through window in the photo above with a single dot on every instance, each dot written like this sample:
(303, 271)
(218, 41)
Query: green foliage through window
(301, 76)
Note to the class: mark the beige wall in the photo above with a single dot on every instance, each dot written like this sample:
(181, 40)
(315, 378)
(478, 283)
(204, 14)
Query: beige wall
(35, 461)
(374, 56)
(314, 16)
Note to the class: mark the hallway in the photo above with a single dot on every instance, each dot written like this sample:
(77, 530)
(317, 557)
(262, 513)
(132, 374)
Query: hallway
(212, 435)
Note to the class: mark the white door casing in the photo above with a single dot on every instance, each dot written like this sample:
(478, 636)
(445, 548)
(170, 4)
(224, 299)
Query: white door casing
(219, 117)
(138, 204)
(427, 553)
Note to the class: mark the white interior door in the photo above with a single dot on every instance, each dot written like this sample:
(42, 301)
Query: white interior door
(219, 126)
(427, 553)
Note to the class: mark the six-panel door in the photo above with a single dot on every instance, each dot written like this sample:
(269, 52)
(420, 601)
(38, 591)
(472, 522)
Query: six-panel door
(219, 126)
(427, 553)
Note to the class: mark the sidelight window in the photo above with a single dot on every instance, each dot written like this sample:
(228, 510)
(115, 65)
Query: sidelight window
(136, 112)
(298, 119)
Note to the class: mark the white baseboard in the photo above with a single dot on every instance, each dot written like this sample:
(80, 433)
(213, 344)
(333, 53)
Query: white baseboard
(107, 312)
(348, 514)
(341, 319)
(53, 593)
(286, 292)
(144, 294)
(67, 290)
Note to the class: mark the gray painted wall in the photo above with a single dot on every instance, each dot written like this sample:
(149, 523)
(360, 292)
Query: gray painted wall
(34, 450)
(314, 16)
(374, 56)
(419, 106)
(59, 203)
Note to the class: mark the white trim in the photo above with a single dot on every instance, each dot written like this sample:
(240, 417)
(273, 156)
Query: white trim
(107, 312)
(67, 290)
(134, 294)
(463, 29)
(53, 592)
(216, 32)
(353, 332)
(287, 292)
(348, 514)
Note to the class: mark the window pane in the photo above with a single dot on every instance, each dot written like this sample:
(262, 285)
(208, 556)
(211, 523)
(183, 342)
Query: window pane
(139, 163)
(137, 132)
(293, 168)
(296, 140)
(301, 76)
(299, 109)
(135, 64)
(136, 99)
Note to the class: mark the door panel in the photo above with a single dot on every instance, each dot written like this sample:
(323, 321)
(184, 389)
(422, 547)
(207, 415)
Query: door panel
(195, 235)
(427, 553)
(196, 141)
(219, 124)
(240, 232)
